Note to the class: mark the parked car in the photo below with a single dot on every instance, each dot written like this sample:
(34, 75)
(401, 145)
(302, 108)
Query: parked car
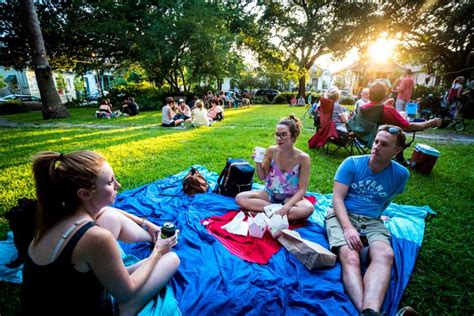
(269, 93)
(33, 103)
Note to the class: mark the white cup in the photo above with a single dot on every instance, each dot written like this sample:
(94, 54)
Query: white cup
(259, 154)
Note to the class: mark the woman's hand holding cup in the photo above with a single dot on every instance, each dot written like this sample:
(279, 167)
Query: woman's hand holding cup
(258, 154)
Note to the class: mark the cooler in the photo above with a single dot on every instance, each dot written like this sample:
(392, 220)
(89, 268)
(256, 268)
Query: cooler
(424, 158)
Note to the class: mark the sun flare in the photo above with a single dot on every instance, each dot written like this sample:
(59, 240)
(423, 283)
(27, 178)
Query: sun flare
(382, 49)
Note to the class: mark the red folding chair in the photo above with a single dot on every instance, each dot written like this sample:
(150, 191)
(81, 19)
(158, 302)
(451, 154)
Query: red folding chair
(328, 128)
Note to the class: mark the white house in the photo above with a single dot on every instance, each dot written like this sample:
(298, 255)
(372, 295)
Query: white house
(24, 82)
(319, 79)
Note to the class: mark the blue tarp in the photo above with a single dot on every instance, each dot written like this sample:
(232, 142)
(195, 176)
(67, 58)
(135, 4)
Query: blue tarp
(212, 281)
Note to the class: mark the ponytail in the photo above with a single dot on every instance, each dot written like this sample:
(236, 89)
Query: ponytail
(58, 177)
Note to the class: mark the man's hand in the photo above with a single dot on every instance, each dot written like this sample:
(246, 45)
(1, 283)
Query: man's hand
(436, 122)
(353, 240)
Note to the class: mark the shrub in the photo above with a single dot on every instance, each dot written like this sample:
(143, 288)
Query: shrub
(12, 107)
(424, 91)
(282, 98)
(260, 100)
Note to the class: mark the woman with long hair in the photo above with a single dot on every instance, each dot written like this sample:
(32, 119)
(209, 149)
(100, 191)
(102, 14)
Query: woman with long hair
(73, 265)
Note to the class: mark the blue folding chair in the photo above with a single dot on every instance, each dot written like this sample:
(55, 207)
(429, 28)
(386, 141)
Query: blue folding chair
(412, 110)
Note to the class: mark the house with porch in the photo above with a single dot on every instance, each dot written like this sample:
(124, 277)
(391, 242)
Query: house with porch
(24, 82)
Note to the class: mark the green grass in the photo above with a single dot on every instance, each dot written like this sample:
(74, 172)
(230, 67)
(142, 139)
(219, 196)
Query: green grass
(142, 152)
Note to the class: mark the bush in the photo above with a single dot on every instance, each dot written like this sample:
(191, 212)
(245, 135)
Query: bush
(282, 98)
(12, 107)
(423, 91)
(260, 100)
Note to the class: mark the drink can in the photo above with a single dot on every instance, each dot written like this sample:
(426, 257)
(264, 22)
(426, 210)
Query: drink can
(168, 230)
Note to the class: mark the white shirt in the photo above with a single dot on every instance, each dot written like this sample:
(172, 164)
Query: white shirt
(200, 117)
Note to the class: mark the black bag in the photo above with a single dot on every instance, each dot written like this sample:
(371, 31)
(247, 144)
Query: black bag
(21, 219)
(194, 182)
(236, 177)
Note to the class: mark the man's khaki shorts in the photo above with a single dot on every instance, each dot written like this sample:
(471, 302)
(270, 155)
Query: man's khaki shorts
(374, 226)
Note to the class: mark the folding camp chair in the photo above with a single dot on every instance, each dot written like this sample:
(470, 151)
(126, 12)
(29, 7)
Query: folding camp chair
(326, 132)
(364, 125)
(327, 127)
(412, 110)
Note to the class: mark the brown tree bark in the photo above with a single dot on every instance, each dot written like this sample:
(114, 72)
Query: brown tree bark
(302, 86)
(52, 104)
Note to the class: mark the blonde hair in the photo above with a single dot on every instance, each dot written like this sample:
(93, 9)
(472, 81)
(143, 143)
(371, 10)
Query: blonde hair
(58, 177)
(333, 94)
(199, 104)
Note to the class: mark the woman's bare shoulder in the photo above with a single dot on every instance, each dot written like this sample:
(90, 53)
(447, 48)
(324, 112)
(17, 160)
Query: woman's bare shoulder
(302, 155)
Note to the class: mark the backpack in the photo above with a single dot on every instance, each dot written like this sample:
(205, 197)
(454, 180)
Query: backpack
(194, 182)
(236, 177)
(21, 219)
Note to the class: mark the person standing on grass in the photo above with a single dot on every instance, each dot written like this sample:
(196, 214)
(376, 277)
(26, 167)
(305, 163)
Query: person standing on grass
(286, 170)
(405, 89)
(73, 265)
(363, 188)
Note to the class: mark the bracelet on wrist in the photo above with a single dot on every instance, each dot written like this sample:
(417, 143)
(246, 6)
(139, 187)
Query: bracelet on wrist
(143, 224)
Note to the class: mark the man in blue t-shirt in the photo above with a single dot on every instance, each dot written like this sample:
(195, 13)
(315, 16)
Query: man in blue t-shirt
(363, 188)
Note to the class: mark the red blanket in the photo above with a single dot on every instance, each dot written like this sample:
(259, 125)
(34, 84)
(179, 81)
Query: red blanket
(247, 248)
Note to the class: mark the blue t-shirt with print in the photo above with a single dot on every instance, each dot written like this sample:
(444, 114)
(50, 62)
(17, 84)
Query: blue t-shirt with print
(370, 193)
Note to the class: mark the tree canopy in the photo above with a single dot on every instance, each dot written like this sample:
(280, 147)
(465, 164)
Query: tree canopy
(298, 32)
(438, 34)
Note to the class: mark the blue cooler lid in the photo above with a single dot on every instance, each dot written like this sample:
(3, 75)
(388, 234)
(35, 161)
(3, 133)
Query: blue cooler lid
(427, 150)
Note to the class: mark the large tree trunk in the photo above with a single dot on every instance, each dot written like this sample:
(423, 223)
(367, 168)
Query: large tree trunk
(302, 86)
(52, 105)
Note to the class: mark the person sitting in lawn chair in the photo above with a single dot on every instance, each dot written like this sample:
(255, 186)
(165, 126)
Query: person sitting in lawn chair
(370, 115)
(363, 187)
(286, 170)
(340, 115)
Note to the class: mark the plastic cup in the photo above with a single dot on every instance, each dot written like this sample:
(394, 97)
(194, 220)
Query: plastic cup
(259, 154)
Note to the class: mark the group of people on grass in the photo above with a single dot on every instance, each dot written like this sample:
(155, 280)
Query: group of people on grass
(75, 247)
(300, 101)
(129, 108)
(177, 115)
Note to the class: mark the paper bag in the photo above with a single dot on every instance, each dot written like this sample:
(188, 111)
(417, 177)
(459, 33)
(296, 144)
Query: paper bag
(258, 225)
(311, 254)
(271, 209)
(276, 224)
(237, 225)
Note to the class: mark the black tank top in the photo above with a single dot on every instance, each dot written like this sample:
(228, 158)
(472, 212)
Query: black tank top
(58, 289)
